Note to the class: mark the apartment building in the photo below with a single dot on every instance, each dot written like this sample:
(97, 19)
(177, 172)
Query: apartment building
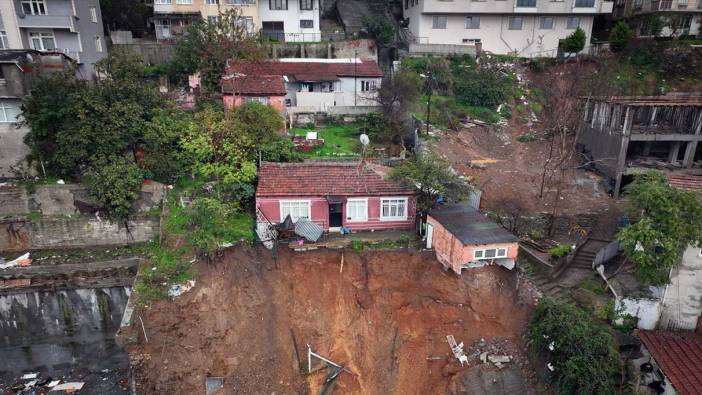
(172, 16)
(290, 20)
(529, 28)
(678, 17)
(73, 27)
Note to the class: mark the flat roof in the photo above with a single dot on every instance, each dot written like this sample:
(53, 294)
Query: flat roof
(471, 226)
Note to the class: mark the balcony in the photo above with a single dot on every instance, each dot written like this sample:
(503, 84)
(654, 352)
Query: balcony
(45, 21)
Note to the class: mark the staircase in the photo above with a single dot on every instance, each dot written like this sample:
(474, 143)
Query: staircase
(586, 254)
(547, 286)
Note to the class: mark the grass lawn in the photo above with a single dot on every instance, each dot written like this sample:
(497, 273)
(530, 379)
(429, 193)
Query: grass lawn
(339, 141)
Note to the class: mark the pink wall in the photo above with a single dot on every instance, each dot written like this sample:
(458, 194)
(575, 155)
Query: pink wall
(270, 207)
(451, 252)
(231, 101)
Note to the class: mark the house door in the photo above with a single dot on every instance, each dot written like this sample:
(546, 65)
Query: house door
(335, 215)
(430, 235)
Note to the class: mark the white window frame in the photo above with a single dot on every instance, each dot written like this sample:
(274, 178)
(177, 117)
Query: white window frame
(93, 15)
(435, 22)
(402, 217)
(511, 22)
(162, 2)
(473, 19)
(258, 99)
(211, 2)
(479, 255)
(354, 218)
(543, 18)
(36, 7)
(184, 2)
(3, 113)
(3, 40)
(98, 43)
(281, 204)
(42, 36)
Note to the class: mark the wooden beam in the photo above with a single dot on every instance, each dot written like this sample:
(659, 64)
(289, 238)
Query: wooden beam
(665, 137)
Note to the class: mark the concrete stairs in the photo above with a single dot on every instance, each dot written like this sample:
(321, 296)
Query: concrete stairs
(546, 285)
(586, 254)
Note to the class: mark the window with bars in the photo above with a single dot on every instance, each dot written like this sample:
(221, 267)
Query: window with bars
(296, 209)
(490, 253)
(357, 210)
(393, 209)
(278, 4)
(34, 7)
(307, 5)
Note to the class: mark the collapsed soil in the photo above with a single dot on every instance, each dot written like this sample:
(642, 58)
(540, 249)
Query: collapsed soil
(384, 315)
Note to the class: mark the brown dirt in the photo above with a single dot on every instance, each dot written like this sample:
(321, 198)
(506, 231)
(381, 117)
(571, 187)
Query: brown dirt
(382, 316)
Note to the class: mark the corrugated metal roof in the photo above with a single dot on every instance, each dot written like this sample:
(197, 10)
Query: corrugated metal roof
(471, 226)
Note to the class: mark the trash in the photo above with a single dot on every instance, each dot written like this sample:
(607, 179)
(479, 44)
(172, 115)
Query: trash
(213, 384)
(179, 289)
(457, 349)
(550, 367)
(308, 229)
(30, 376)
(499, 359)
(61, 182)
(483, 357)
(69, 388)
(53, 383)
(31, 384)
(22, 261)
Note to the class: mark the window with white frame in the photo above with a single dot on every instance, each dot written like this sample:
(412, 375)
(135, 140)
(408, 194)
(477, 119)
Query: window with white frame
(3, 40)
(278, 4)
(8, 111)
(573, 22)
(296, 209)
(357, 209)
(246, 22)
(93, 14)
(257, 99)
(306, 4)
(490, 253)
(393, 209)
(184, 1)
(473, 22)
(515, 23)
(162, 1)
(439, 22)
(34, 7)
(42, 41)
(367, 86)
(546, 23)
(241, 2)
(212, 2)
(212, 19)
(98, 44)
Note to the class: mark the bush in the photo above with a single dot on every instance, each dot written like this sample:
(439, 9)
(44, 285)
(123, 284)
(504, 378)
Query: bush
(559, 250)
(381, 29)
(575, 42)
(115, 182)
(481, 87)
(527, 137)
(211, 223)
(619, 36)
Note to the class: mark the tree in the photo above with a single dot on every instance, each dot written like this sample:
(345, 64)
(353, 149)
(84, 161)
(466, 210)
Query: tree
(381, 29)
(124, 15)
(206, 46)
(395, 96)
(581, 351)
(575, 42)
(667, 221)
(620, 36)
(433, 177)
(163, 156)
(115, 181)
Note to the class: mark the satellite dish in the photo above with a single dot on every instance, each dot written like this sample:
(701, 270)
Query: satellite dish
(364, 139)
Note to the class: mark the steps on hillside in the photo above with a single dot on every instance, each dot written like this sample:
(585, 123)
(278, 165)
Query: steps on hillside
(544, 284)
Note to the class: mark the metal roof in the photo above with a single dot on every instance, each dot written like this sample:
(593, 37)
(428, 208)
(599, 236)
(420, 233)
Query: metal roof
(470, 226)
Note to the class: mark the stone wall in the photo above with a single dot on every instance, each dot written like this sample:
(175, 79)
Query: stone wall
(12, 148)
(362, 48)
(17, 234)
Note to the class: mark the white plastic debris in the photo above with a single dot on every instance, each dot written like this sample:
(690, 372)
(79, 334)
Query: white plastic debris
(68, 387)
(552, 346)
(179, 289)
(550, 367)
(61, 182)
(54, 383)
(30, 376)
(23, 260)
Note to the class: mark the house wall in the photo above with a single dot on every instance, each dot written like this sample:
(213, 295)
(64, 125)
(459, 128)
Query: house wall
(648, 311)
(682, 301)
(451, 252)
(291, 19)
(270, 207)
(347, 92)
(12, 148)
(231, 101)
(8, 22)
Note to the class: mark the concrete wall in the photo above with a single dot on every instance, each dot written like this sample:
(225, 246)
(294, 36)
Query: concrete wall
(451, 252)
(648, 311)
(363, 48)
(76, 232)
(682, 301)
(12, 148)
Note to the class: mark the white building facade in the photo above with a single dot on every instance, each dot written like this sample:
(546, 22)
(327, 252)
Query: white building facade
(677, 17)
(290, 20)
(528, 28)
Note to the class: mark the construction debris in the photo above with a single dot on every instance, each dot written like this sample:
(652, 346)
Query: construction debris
(179, 289)
(68, 388)
(457, 350)
(22, 261)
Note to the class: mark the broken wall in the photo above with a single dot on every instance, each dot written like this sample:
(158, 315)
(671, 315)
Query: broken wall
(602, 147)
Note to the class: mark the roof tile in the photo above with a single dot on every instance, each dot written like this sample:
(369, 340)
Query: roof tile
(678, 355)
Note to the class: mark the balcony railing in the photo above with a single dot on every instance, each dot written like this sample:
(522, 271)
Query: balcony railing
(45, 21)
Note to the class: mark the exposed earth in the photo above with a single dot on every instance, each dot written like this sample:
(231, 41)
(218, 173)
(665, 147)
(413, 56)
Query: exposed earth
(384, 315)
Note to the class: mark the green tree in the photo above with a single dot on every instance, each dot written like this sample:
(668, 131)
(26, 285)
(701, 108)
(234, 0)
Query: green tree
(206, 46)
(582, 352)
(575, 42)
(433, 178)
(115, 182)
(396, 96)
(381, 29)
(620, 36)
(481, 86)
(208, 223)
(666, 222)
(163, 156)
(124, 15)
(280, 150)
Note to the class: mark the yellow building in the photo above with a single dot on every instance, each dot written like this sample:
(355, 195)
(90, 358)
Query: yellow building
(171, 16)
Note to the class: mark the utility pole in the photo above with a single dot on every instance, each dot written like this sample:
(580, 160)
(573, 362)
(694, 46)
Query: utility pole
(355, 78)
(430, 77)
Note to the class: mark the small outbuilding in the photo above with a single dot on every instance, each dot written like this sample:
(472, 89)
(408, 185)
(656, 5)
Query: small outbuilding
(463, 237)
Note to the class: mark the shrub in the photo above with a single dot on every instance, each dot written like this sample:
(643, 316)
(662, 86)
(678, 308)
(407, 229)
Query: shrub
(619, 36)
(115, 183)
(559, 251)
(481, 87)
(526, 137)
(575, 42)
(381, 29)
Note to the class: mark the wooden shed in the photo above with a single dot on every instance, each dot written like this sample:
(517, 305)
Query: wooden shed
(463, 238)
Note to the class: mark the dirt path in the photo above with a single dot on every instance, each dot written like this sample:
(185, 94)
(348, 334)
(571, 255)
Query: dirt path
(382, 316)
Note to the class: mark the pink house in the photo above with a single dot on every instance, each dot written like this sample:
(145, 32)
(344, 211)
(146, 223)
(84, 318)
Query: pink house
(463, 238)
(265, 89)
(334, 194)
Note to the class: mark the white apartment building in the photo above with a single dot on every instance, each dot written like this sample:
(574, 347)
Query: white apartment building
(529, 28)
(290, 20)
(678, 17)
(172, 16)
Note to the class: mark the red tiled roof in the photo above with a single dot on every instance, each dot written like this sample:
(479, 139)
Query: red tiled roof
(265, 85)
(686, 182)
(679, 355)
(322, 178)
(365, 68)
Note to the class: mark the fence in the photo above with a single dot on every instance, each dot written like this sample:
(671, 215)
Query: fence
(275, 35)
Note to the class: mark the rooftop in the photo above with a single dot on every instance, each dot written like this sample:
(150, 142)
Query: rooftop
(470, 225)
(687, 182)
(325, 178)
(264, 85)
(309, 70)
(679, 355)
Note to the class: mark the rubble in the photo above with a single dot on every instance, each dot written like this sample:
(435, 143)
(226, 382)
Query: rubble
(179, 289)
